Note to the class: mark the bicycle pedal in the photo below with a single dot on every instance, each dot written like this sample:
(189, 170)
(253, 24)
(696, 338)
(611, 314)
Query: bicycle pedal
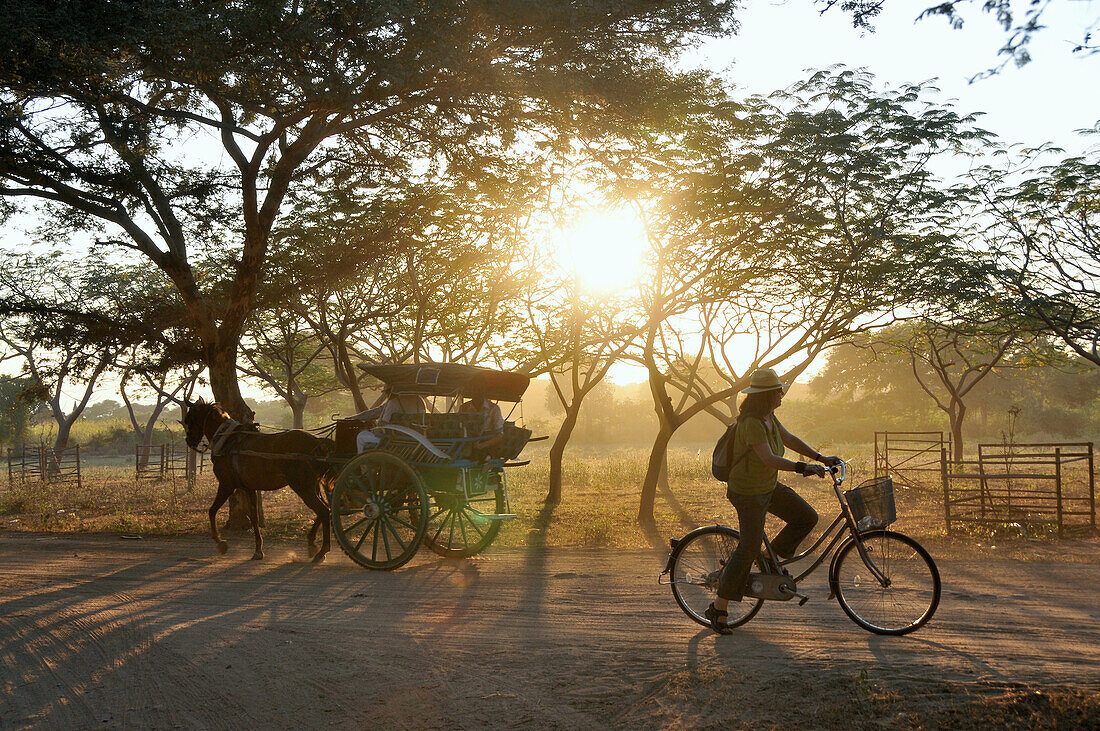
(802, 597)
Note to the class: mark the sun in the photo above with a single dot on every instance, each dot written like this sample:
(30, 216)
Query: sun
(604, 248)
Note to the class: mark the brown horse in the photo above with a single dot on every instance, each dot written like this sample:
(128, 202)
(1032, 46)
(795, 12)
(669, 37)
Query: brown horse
(244, 459)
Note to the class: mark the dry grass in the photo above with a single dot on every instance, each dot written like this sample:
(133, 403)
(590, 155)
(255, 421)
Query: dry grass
(598, 508)
(704, 697)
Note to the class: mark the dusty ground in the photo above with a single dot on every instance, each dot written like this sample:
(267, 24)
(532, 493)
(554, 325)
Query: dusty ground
(102, 632)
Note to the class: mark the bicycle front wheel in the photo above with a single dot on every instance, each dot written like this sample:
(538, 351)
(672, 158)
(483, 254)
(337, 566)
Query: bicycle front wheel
(912, 592)
(697, 562)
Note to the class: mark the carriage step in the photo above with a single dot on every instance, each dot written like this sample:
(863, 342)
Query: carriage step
(498, 516)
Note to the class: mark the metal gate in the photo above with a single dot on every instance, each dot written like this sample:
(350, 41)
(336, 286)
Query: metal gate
(910, 457)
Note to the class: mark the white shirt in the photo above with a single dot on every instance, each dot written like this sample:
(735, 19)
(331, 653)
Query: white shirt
(494, 420)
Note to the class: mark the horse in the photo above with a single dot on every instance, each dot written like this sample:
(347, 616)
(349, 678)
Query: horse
(244, 459)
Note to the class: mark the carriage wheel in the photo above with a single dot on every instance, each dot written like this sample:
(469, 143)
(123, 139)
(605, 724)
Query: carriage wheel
(379, 510)
(457, 526)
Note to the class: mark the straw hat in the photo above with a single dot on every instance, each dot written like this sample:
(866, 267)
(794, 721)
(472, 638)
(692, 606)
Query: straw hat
(764, 379)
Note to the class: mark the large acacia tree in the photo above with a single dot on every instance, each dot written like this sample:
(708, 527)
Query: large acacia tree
(785, 224)
(117, 115)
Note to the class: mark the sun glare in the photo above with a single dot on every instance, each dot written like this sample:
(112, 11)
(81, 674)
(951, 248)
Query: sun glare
(606, 249)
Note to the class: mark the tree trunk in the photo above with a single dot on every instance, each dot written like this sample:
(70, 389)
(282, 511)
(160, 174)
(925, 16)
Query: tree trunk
(64, 430)
(957, 414)
(150, 428)
(222, 365)
(345, 373)
(147, 443)
(298, 409)
(657, 455)
(557, 451)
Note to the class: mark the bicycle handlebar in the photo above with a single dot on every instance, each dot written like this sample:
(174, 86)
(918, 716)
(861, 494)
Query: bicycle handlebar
(838, 481)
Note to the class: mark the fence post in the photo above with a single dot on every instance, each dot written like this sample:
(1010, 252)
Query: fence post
(1092, 490)
(946, 493)
(1058, 485)
(10, 478)
(190, 468)
(886, 468)
(877, 469)
(983, 486)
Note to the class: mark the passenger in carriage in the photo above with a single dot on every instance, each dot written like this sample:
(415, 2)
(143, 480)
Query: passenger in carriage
(493, 430)
(387, 405)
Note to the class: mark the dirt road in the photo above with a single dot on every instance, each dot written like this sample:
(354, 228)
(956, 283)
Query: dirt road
(100, 632)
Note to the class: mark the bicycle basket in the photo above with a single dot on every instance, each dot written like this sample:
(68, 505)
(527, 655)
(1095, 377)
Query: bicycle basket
(873, 499)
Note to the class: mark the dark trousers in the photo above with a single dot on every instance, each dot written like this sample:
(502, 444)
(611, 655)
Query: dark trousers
(751, 513)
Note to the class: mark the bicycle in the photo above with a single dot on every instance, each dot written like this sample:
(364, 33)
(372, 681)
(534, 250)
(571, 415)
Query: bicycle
(885, 581)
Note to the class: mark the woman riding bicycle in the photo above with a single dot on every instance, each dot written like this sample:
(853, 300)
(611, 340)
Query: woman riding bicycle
(754, 489)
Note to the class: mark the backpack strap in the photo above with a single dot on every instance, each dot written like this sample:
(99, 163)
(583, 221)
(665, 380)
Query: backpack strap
(730, 447)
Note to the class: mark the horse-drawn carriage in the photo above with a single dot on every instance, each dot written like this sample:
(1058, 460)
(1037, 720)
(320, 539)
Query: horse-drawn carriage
(429, 477)
(422, 478)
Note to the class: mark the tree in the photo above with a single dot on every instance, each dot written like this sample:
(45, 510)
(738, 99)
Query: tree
(54, 357)
(442, 279)
(18, 397)
(1045, 231)
(284, 353)
(949, 359)
(785, 224)
(871, 377)
(575, 337)
(166, 387)
(99, 101)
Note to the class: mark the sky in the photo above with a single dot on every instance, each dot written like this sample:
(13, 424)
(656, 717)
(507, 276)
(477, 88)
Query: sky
(1044, 101)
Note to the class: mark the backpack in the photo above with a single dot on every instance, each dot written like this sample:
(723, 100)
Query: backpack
(720, 461)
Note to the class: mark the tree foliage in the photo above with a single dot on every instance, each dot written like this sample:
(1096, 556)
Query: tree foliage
(1019, 26)
(787, 223)
(1045, 229)
(99, 102)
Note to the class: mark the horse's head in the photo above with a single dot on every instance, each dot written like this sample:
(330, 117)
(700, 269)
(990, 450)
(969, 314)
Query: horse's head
(199, 414)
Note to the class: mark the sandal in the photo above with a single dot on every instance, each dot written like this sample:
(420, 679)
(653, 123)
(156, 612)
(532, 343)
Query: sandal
(717, 619)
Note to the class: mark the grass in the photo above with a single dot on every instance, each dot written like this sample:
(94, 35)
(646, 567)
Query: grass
(598, 509)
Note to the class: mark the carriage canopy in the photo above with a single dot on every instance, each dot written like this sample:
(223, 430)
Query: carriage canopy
(449, 379)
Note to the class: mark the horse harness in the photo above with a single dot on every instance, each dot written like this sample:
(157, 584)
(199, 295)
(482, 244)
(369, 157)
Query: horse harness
(221, 437)
(221, 445)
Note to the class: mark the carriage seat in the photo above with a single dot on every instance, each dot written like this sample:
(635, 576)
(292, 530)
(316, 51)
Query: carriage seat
(346, 432)
(442, 426)
(515, 439)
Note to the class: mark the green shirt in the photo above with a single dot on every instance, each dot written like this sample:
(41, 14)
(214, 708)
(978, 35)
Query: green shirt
(750, 476)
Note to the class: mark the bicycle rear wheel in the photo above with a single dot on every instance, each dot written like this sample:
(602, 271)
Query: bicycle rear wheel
(911, 597)
(697, 562)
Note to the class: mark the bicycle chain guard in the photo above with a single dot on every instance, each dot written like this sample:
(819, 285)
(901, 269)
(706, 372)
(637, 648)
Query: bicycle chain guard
(771, 586)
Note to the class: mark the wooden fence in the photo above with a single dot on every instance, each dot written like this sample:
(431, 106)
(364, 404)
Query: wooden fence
(44, 463)
(1025, 484)
(910, 457)
(164, 461)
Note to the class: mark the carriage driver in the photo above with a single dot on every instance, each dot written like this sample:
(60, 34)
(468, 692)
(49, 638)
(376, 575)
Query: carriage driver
(493, 431)
(384, 408)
